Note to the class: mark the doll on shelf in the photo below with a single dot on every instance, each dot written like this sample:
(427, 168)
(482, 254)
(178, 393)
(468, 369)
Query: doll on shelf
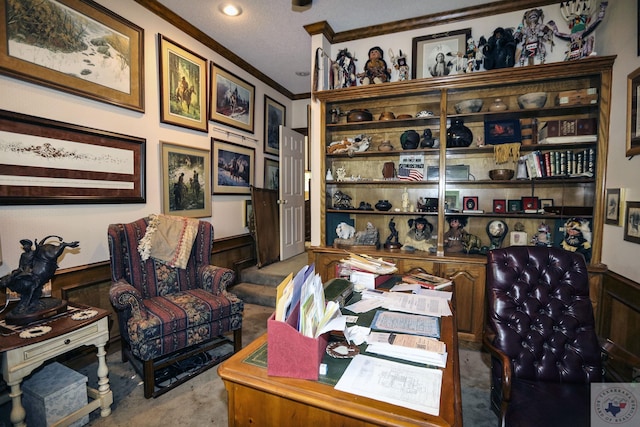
(455, 236)
(419, 235)
(577, 237)
(375, 69)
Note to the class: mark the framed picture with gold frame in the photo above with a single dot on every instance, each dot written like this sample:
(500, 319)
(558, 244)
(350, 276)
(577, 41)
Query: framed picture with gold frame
(632, 222)
(183, 86)
(234, 167)
(105, 64)
(232, 99)
(186, 173)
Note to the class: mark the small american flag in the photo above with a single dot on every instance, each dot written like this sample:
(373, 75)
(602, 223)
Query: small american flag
(408, 174)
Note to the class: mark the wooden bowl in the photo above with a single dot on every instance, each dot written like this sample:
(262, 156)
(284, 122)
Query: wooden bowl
(501, 174)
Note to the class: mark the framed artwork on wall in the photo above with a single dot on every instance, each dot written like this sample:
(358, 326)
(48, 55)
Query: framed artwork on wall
(234, 168)
(48, 162)
(632, 222)
(246, 213)
(436, 55)
(183, 86)
(232, 99)
(633, 113)
(274, 116)
(271, 174)
(502, 132)
(615, 206)
(185, 181)
(105, 64)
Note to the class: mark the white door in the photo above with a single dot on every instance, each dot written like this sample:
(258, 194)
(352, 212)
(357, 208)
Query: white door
(291, 198)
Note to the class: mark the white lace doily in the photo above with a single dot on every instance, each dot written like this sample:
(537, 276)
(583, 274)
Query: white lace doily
(84, 314)
(34, 332)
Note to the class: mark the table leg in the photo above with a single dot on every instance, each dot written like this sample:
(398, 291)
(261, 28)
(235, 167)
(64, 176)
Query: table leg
(103, 381)
(18, 414)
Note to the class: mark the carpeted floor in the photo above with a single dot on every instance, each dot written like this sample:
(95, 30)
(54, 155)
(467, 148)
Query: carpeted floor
(203, 399)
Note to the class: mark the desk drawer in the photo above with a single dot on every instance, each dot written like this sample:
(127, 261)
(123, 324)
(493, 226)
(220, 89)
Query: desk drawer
(62, 344)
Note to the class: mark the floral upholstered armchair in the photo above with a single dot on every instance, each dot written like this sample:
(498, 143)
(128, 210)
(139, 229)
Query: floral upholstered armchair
(171, 303)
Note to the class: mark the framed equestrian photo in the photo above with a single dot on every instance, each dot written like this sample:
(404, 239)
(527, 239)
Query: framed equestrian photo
(48, 162)
(232, 99)
(271, 174)
(84, 49)
(437, 55)
(183, 86)
(632, 222)
(633, 113)
(234, 168)
(274, 116)
(185, 181)
(615, 206)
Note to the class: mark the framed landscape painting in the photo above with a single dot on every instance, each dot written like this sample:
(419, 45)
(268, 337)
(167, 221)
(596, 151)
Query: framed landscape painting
(84, 49)
(234, 168)
(232, 99)
(183, 86)
(185, 181)
(274, 116)
(271, 174)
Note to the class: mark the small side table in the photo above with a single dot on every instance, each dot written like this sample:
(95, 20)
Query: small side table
(80, 326)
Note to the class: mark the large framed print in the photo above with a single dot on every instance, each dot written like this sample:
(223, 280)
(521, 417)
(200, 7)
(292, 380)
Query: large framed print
(185, 181)
(234, 168)
(232, 99)
(49, 162)
(183, 86)
(436, 55)
(274, 116)
(80, 48)
(633, 113)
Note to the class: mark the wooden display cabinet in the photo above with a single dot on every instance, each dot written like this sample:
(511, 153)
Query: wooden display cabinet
(576, 195)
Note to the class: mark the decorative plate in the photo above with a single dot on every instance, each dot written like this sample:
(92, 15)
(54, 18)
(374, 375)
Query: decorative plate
(342, 350)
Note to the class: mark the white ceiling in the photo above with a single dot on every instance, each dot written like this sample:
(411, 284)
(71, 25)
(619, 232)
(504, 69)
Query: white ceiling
(270, 36)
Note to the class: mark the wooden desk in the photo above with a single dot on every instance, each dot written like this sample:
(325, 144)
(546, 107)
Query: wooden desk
(258, 399)
(21, 356)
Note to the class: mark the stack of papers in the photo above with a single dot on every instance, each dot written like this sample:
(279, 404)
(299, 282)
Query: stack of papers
(370, 264)
(428, 281)
(418, 349)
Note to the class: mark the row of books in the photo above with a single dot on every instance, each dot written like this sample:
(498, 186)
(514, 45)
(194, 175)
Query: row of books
(561, 163)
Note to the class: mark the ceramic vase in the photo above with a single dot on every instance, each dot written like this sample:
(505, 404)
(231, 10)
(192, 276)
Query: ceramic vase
(383, 205)
(498, 105)
(458, 135)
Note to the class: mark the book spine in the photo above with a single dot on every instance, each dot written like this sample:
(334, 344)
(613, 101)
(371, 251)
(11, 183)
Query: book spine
(547, 163)
(563, 163)
(591, 162)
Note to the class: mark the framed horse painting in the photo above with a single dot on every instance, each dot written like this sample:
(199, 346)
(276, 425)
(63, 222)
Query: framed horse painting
(234, 167)
(232, 99)
(183, 86)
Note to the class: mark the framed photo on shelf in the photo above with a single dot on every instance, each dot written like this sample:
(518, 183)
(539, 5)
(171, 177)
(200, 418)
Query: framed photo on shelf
(615, 206)
(46, 162)
(271, 174)
(545, 203)
(499, 205)
(452, 200)
(232, 99)
(632, 222)
(183, 86)
(436, 55)
(501, 132)
(530, 203)
(633, 113)
(185, 181)
(234, 167)
(470, 203)
(274, 116)
(105, 64)
(514, 206)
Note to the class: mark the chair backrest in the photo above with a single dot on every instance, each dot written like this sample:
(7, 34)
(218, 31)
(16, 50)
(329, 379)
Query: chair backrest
(541, 314)
(151, 277)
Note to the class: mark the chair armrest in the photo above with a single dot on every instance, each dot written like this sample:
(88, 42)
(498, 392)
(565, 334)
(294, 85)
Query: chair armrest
(125, 297)
(507, 375)
(216, 279)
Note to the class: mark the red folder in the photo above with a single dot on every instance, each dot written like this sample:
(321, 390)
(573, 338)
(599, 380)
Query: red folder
(291, 354)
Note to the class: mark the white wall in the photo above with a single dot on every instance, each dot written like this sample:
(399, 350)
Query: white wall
(616, 35)
(88, 223)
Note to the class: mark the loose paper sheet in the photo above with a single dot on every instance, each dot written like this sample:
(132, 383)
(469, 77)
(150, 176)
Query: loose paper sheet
(396, 383)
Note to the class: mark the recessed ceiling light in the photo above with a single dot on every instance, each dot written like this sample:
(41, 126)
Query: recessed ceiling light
(302, 73)
(230, 9)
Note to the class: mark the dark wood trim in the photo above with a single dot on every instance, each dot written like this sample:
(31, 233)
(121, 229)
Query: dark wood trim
(186, 27)
(619, 312)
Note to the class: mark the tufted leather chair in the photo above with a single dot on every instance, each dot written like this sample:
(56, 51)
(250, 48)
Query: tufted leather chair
(170, 316)
(541, 335)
